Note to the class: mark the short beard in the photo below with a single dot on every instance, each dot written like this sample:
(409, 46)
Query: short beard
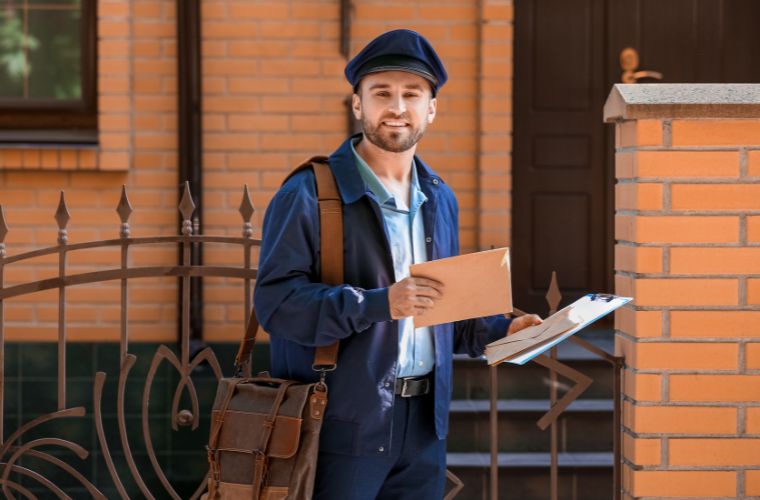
(393, 141)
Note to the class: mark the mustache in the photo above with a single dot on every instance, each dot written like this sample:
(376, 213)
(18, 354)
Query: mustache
(392, 116)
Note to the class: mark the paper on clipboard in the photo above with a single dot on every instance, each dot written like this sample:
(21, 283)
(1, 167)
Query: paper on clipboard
(476, 285)
(528, 343)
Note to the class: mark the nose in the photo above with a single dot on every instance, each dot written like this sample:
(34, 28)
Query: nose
(397, 104)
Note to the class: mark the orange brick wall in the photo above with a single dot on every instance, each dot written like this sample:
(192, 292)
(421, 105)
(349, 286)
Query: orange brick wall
(273, 94)
(688, 253)
(137, 148)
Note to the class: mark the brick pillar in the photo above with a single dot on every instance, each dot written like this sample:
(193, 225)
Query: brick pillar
(688, 250)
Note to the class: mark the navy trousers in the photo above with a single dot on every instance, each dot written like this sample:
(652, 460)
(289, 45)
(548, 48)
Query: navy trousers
(414, 470)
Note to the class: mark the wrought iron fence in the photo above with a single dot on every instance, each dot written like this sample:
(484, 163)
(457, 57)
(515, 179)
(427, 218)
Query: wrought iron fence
(186, 409)
(11, 451)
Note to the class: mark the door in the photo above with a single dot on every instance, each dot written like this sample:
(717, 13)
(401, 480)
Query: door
(567, 57)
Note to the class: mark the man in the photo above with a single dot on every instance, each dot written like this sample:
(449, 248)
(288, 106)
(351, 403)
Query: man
(384, 431)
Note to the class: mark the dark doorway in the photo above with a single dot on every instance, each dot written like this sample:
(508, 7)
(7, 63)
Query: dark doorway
(567, 57)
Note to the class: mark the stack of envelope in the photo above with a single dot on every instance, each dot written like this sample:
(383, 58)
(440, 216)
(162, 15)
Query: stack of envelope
(534, 340)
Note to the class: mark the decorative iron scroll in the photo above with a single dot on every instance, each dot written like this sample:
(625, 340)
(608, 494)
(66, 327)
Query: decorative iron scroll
(11, 452)
(12, 449)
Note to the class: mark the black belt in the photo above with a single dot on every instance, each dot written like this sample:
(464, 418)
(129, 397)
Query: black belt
(408, 387)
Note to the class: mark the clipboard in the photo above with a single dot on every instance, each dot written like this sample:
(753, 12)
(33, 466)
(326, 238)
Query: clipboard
(528, 343)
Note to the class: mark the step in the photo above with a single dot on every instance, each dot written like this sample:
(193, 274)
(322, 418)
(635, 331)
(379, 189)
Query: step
(528, 405)
(600, 460)
(585, 426)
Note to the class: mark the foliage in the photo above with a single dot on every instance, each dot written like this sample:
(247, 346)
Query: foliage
(14, 44)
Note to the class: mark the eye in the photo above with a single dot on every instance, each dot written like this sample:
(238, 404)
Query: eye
(382, 93)
(411, 95)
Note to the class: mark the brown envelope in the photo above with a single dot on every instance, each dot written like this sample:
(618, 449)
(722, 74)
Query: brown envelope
(476, 285)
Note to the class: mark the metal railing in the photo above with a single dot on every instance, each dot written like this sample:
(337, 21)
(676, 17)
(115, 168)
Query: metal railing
(558, 406)
(11, 453)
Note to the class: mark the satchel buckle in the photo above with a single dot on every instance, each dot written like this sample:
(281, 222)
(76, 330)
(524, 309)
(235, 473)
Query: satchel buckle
(321, 385)
(324, 368)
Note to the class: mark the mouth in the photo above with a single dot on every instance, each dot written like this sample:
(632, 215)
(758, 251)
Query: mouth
(395, 123)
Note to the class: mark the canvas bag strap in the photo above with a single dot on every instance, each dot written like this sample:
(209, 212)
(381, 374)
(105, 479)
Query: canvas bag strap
(260, 462)
(331, 260)
(213, 452)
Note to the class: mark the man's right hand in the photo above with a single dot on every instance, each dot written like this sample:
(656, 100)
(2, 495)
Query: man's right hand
(412, 296)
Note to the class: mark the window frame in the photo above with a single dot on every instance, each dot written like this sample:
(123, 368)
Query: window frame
(50, 120)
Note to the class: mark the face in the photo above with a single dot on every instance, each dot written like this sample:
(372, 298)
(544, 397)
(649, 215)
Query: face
(395, 108)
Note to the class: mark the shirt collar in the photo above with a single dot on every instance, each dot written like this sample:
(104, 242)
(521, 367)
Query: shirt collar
(376, 185)
(352, 186)
(370, 179)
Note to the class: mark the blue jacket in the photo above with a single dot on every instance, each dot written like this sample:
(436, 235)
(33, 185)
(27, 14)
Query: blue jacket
(299, 312)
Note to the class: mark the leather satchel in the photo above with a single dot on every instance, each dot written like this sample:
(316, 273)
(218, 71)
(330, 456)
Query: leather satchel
(264, 436)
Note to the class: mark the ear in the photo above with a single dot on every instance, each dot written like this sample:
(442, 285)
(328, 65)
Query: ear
(432, 107)
(356, 106)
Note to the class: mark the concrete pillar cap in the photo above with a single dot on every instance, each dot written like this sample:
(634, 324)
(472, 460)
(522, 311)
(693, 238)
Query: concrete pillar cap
(633, 101)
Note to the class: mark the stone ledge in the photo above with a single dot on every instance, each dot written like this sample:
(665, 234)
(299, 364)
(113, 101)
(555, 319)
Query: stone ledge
(682, 100)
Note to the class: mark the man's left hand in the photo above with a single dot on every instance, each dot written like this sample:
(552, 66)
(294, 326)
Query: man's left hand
(523, 321)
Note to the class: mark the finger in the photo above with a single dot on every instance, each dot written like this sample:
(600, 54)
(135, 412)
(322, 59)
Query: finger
(426, 291)
(420, 282)
(418, 311)
(424, 302)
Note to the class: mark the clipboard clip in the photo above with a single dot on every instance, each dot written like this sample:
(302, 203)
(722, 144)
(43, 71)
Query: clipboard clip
(603, 297)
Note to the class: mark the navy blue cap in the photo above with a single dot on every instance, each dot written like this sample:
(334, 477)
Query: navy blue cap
(398, 50)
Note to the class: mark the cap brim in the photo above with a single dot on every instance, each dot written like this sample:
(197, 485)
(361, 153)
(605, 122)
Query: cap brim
(396, 67)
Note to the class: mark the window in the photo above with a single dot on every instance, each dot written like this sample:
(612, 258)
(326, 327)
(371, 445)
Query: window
(47, 71)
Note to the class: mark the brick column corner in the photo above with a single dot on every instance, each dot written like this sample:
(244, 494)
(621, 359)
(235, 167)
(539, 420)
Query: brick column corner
(687, 226)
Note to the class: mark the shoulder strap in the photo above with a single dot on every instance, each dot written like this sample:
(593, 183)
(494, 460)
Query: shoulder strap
(330, 248)
(331, 260)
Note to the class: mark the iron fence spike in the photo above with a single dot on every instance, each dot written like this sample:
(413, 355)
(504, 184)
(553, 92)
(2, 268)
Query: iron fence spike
(246, 205)
(186, 205)
(124, 208)
(553, 296)
(62, 215)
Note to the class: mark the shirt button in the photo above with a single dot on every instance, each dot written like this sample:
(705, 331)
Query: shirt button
(435, 181)
(387, 384)
(422, 363)
(381, 449)
(428, 239)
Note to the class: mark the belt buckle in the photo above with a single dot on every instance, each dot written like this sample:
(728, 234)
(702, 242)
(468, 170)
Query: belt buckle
(404, 387)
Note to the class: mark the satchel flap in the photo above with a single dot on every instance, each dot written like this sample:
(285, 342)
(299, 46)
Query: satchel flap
(243, 431)
(257, 395)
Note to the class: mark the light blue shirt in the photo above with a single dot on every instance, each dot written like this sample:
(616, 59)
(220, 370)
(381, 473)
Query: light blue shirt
(406, 233)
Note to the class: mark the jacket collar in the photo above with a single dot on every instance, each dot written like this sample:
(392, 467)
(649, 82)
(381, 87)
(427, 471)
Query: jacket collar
(350, 183)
